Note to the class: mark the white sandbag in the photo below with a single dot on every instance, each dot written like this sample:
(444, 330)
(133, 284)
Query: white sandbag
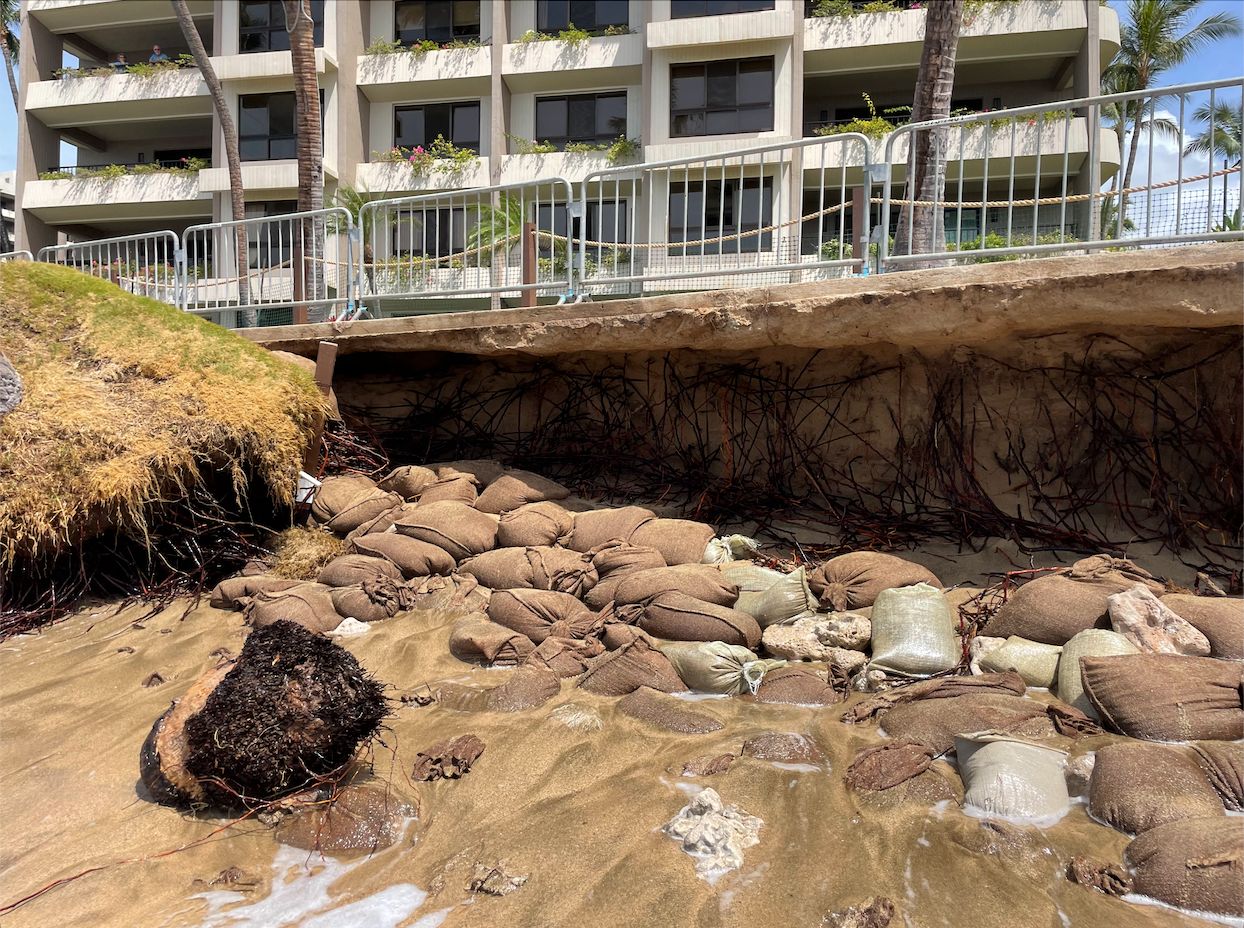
(1092, 642)
(729, 548)
(716, 667)
(781, 602)
(749, 576)
(913, 632)
(1009, 778)
(1037, 663)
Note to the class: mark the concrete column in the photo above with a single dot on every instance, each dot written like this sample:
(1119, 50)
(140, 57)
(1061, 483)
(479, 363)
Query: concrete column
(38, 147)
(1088, 84)
(499, 116)
(354, 113)
(794, 201)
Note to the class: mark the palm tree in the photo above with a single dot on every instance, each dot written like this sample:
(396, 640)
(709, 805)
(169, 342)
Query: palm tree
(10, 41)
(1222, 131)
(228, 129)
(923, 226)
(351, 200)
(310, 133)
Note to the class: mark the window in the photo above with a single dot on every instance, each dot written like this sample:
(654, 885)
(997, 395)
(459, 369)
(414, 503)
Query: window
(420, 125)
(721, 97)
(267, 127)
(589, 15)
(585, 117)
(440, 21)
(606, 222)
(727, 208)
(681, 9)
(431, 233)
(262, 26)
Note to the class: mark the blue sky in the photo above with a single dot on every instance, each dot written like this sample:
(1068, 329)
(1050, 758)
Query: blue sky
(1224, 60)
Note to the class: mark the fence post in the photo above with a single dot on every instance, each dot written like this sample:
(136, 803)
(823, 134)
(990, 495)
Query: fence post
(859, 224)
(529, 265)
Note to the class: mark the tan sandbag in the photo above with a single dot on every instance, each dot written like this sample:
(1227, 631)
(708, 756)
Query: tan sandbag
(913, 632)
(456, 488)
(679, 617)
(478, 641)
(517, 488)
(485, 471)
(626, 669)
(414, 558)
(533, 568)
(236, 592)
(535, 525)
(536, 612)
(309, 605)
(1101, 566)
(362, 508)
(596, 527)
(373, 600)
(699, 581)
(566, 657)
(454, 593)
(1222, 762)
(1193, 863)
(1013, 779)
(457, 528)
(937, 722)
(379, 525)
(781, 602)
(352, 569)
(1037, 663)
(614, 562)
(408, 482)
(749, 576)
(1218, 618)
(335, 493)
(1137, 786)
(1092, 642)
(1167, 697)
(852, 581)
(680, 541)
(500, 569)
(716, 667)
(797, 686)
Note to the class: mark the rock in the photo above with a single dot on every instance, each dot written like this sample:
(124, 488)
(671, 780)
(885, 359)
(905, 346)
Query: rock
(494, 881)
(980, 646)
(1104, 877)
(814, 636)
(875, 912)
(447, 760)
(849, 662)
(668, 712)
(707, 765)
(784, 747)
(1079, 771)
(1153, 626)
(10, 387)
(713, 833)
(870, 681)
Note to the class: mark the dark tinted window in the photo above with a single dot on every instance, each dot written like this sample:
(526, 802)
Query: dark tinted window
(585, 117)
(681, 9)
(420, 125)
(589, 15)
(724, 209)
(441, 21)
(431, 233)
(721, 97)
(262, 25)
(267, 124)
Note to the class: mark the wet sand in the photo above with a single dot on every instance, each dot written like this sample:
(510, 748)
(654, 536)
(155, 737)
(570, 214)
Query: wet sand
(577, 810)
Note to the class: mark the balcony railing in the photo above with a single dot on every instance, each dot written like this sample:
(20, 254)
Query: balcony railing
(187, 165)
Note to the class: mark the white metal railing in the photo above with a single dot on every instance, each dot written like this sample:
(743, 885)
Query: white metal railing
(273, 270)
(506, 241)
(775, 213)
(16, 256)
(1029, 181)
(145, 264)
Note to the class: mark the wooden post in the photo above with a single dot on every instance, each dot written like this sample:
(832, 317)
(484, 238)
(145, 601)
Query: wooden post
(325, 363)
(529, 264)
(859, 208)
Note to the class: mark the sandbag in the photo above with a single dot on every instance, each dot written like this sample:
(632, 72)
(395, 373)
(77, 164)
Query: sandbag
(408, 482)
(309, 605)
(459, 529)
(335, 493)
(566, 657)
(517, 488)
(1092, 642)
(1222, 763)
(797, 686)
(716, 667)
(361, 509)
(1137, 786)
(1218, 618)
(614, 562)
(476, 640)
(414, 558)
(1009, 778)
(749, 576)
(852, 581)
(1167, 697)
(373, 600)
(381, 524)
(532, 568)
(1193, 863)
(730, 548)
(535, 613)
(679, 617)
(699, 581)
(452, 592)
(624, 670)
(456, 488)
(534, 525)
(236, 592)
(913, 632)
(1037, 663)
(596, 527)
(484, 471)
(937, 722)
(680, 541)
(781, 602)
(352, 569)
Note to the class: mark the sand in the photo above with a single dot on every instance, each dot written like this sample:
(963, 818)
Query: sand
(575, 808)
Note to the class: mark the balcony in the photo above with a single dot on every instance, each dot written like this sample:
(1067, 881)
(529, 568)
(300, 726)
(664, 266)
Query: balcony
(74, 102)
(261, 179)
(446, 73)
(399, 178)
(607, 61)
(722, 30)
(574, 166)
(266, 66)
(150, 197)
(82, 15)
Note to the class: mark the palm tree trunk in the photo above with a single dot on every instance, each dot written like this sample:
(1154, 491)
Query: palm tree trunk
(920, 228)
(309, 272)
(8, 61)
(1138, 120)
(228, 129)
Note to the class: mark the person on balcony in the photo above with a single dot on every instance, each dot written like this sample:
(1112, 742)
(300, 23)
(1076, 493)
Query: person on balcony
(156, 55)
(120, 65)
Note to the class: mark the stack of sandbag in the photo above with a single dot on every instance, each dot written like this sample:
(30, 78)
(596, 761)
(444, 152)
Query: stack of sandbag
(1191, 863)
(680, 541)
(1137, 785)
(853, 581)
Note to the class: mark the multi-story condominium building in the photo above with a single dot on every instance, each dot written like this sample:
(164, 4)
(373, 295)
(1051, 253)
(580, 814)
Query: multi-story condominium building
(676, 78)
(8, 210)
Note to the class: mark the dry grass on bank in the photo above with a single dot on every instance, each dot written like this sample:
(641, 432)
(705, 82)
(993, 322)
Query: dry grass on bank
(129, 402)
(301, 552)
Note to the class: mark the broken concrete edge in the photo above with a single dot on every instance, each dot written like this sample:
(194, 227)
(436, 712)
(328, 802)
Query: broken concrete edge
(1176, 288)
